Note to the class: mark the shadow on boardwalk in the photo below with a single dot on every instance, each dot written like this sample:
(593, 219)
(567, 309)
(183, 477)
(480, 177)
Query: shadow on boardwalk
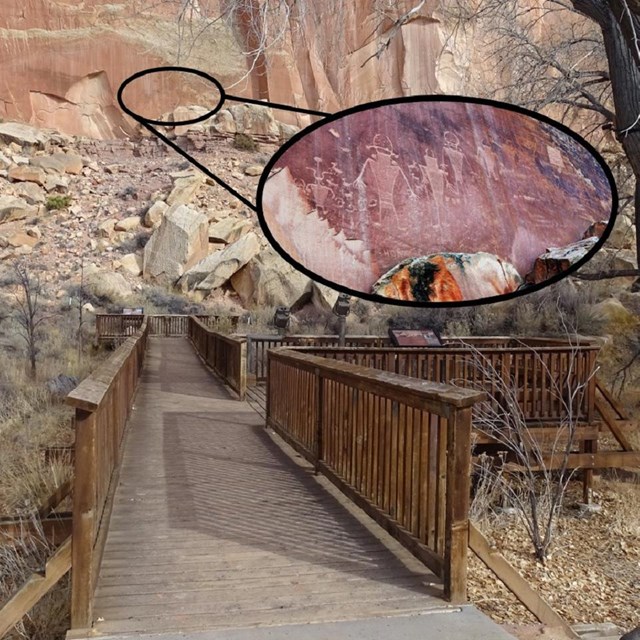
(215, 526)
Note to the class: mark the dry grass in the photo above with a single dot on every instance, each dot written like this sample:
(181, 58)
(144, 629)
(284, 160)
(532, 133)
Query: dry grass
(49, 618)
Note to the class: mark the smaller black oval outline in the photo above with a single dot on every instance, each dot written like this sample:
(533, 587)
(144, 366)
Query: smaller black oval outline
(180, 123)
(437, 98)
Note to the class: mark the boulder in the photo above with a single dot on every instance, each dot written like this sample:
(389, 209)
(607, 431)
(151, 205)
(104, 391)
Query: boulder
(153, 216)
(62, 385)
(595, 229)
(131, 263)
(59, 163)
(254, 119)
(218, 267)
(623, 235)
(319, 296)
(31, 192)
(184, 189)
(449, 277)
(182, 113)
(127, 224)
(176, 245)
(22, 134)
(558, 259)
(106, 284)
(27, 173)
(253, 170)
(615, 315)
(228, 230)
(12, 208)
(106, 228)
(268, 281)
(21, 239)
(54, 181)
(223, 122)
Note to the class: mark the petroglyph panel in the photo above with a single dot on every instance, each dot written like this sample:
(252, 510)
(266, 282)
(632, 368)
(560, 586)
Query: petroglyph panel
(353, 198)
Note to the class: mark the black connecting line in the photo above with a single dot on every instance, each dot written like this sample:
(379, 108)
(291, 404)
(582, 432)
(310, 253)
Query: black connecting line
(151, 125)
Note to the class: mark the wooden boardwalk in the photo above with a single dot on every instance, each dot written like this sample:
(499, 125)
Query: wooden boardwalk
(216, 524)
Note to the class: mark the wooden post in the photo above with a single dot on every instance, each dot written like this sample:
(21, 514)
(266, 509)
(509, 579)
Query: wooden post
(457, 505)
(84, 517)
(242, 371)
(319, 411)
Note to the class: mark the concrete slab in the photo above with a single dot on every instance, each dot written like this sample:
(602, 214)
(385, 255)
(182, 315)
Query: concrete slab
(453, 623)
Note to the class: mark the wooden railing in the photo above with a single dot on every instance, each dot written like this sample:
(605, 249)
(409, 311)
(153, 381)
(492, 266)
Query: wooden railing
(398, 447)
(109, 326)
(103, 403)
(258, 345)
(225, 355)
(543, 376)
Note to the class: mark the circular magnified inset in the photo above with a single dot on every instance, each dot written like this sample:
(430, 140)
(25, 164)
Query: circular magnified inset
(437, 200)
(152, 93)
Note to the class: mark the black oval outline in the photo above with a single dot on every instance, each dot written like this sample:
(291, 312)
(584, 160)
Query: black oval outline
(437, 98)
(160, 123)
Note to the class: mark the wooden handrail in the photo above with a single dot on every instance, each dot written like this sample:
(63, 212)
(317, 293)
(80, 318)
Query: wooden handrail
(103, 402)
(541, 376)
(226, 355)
(118, 325)
(400, 448)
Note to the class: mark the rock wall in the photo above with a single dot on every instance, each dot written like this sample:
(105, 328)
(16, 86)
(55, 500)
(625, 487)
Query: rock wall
(61, 63)
(323, 65)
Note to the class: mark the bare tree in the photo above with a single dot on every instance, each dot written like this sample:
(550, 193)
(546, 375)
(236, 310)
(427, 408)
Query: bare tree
(28, 311)
(572, 58)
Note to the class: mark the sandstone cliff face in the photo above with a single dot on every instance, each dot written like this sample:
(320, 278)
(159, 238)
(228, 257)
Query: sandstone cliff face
(61, 63)
(328, 60)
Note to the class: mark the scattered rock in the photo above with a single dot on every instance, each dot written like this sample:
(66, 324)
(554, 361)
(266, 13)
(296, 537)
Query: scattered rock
(153, 216)
(106, 228)
(557, 260)
(62, 385)
(595, 230)
(59, 163)
(228, 230)
(31, 192)
(131, 263)
(127, 224)
(106, 284)
(268, 281)
(34, 232)
(176, 245)
(27, 173)
(184, 189)
(254, 170)
(254, 119)
(22, 134)
(12, 208)
(214, 270)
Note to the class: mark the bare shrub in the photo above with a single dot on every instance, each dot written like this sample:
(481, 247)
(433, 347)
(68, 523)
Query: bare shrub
(536, 488)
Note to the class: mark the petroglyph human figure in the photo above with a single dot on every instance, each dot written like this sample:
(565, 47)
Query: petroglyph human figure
(385, 170)
(435, 175)
(452, 151)
(488, 160)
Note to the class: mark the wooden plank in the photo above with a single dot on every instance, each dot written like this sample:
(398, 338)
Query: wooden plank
(615, 405)
(614, 427)
(35, 588)
(599, 460)
(55, 499)
(495, 561)
(55, 529)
